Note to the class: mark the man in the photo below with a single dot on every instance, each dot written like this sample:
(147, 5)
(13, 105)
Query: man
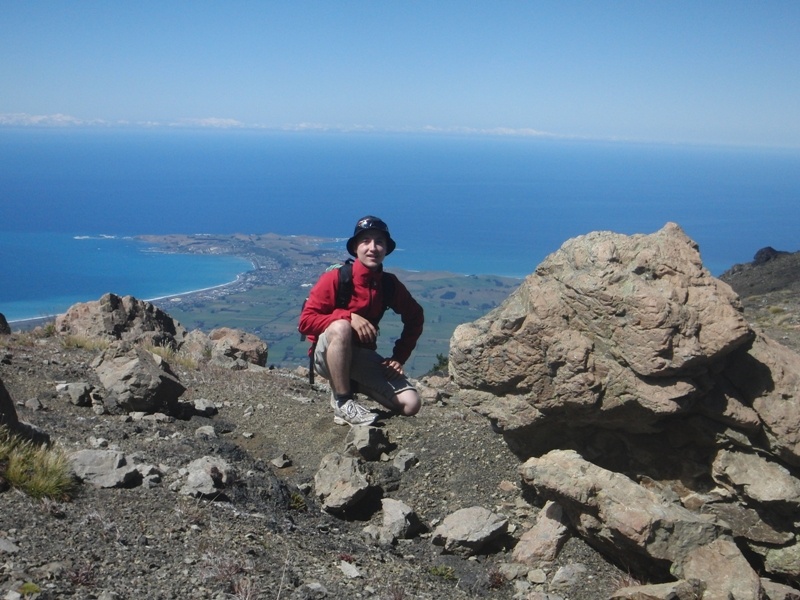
(344, 339)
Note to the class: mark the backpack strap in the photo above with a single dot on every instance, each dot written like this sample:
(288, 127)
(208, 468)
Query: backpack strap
(344, 291)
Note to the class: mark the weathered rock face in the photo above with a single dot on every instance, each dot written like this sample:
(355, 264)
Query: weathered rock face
(233, 344)
(8, 414)
(115, 318)
(611, 330)
(625, 350)
(138, 380)
(4, 327)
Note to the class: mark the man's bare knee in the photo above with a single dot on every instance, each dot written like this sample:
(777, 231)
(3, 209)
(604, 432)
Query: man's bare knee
(409, 402)
(339, 330)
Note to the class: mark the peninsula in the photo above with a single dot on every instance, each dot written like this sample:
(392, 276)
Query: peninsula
(266, 300)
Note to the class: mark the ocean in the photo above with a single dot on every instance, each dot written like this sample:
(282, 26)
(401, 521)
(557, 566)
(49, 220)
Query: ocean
(71, 199)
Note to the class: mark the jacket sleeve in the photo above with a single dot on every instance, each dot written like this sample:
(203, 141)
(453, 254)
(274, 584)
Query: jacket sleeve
(413, 318)
(320, 310)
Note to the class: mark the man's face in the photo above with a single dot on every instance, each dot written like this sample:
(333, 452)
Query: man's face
(371, 248)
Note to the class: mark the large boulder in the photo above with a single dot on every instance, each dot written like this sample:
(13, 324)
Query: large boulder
(682, 421)
(121, 318)
(611, 330)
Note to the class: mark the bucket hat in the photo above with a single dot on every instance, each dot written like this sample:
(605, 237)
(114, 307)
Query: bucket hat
(370, 223)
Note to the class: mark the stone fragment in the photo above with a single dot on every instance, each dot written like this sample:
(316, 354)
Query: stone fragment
(207, 477)
(367, 442)
(339, 482)
(404, 460)
(105, 468)
(543, 541)
(205, 408)
(205, 431)
(760, 480)
(399, 521)
(568, 576)
(784, 562)
(723, 569)
(282, 461)
(467, 530)
(673, 590)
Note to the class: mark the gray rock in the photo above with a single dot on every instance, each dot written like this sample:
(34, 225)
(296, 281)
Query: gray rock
(784, 562)
(206, 431)
(607, 331)
(281, 462)
(466, 531)
(399, 521)
(4, 327)
(778, 591)
(760, 480)
(139, 380)
(339, 483)
(207, 477)
(568, 576)
(367, 442)
(79, 392)
(310, 591)
(205, 408)
(404, 460)
(105, 468)
(8, 547)
(8, 413)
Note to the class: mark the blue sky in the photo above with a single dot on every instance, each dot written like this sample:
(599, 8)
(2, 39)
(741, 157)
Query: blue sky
(723, 72)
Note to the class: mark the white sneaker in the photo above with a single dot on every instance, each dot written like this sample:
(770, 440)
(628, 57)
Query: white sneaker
(351, 413)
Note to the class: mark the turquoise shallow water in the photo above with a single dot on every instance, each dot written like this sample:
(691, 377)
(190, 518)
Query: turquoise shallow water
(461, 204)
(48, 272)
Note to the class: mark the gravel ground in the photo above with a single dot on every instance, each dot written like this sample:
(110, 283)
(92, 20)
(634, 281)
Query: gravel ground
(271, 540)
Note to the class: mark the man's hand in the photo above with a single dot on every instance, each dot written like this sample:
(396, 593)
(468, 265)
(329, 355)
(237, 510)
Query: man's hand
(393, 368)
(365, 331)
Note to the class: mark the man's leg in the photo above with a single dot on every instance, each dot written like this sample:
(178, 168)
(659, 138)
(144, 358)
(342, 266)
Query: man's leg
(398, 395)
(338, 356)
(408, 402)
(332, 360)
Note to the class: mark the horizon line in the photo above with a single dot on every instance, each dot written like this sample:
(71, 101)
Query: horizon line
(62, 121)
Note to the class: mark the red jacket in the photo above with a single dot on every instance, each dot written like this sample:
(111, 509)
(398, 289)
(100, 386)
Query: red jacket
(320, 309)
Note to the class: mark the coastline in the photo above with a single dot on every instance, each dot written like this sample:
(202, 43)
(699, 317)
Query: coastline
(32, 322)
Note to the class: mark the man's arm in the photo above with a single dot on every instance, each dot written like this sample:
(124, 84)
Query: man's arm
(413, 318)
(320, 310)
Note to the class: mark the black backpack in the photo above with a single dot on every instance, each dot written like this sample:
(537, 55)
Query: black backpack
(344, 292)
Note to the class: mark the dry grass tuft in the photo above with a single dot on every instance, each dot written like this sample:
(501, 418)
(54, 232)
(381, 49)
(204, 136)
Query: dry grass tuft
(39, 471)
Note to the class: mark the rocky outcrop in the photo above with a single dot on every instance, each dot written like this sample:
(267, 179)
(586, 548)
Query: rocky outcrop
(663, 423)
(5, 329)
(8, 414)
(121, 318)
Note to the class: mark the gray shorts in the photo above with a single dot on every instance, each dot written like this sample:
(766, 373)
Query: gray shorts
(367, 371)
